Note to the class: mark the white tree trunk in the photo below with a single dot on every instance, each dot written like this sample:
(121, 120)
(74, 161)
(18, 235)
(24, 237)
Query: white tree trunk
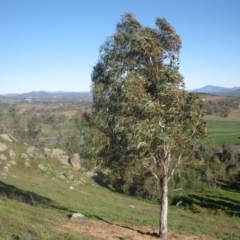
(163, 226)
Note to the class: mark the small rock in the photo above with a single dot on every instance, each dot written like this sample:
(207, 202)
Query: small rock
(12, 154)
(56, 152)
(47, 152)
(60, 175)
(131, 206)
(78, 217)
(64, 160)
(90, 174)
(24, 156)
(5, 168)
(75, 161)
(27, 164)
(5, 137)
(3, 147)
(31, 149)
(78, 182)
(42, 167)
(3, 157)
(13, 162)
(68, 175)
(71, 188)
(82, 179)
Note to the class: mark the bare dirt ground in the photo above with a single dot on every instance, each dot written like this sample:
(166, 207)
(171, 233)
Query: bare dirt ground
(116, 231)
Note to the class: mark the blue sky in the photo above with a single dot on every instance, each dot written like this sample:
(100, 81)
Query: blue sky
(53, 44)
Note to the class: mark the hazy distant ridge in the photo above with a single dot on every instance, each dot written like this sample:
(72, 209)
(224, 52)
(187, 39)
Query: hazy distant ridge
(46, 96)
(80, 96)
(234, 91)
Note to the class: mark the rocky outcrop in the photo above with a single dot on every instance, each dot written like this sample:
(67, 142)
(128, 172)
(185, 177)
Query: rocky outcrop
(53, 153)
(9, 156)
(57, 154)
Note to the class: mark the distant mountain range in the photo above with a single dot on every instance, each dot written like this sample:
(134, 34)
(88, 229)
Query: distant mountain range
(45, 96)
(63, 96)
(210, 89)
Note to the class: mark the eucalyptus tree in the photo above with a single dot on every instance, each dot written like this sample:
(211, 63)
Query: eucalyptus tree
(142, 115)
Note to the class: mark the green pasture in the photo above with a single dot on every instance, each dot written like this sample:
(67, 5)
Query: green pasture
(68, 126)
(224, 132)
(23, 119)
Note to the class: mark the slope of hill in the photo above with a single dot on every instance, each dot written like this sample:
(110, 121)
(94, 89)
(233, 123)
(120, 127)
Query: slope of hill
(235, 93)
(36, 202)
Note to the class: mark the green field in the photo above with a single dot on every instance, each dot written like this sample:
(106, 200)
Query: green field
(68, 126)
(224, 132)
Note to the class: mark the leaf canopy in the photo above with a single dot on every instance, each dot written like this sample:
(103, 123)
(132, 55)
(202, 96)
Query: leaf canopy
(139, 102)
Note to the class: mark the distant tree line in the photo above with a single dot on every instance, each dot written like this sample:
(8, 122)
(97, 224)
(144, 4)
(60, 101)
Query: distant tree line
(220, 108)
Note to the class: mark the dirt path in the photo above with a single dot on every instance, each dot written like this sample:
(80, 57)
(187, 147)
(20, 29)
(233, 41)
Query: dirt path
(111, 231)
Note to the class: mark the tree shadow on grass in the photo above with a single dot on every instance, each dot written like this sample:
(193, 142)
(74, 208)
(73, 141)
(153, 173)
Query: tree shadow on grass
(101, 179)
(232, 208)
(152, 234)
(234, 201)
(28, 197)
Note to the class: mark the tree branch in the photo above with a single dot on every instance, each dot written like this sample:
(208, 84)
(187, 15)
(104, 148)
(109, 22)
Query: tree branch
(150, 169)
(175, 167)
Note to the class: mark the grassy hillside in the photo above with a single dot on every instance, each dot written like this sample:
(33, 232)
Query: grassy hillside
(35, 204)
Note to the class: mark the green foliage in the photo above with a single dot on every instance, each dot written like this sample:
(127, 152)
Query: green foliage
(72, 145)
(197, 209)
(142, 117)
(15, 126)
(3, 107)
(34, 128)
(53, 122)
